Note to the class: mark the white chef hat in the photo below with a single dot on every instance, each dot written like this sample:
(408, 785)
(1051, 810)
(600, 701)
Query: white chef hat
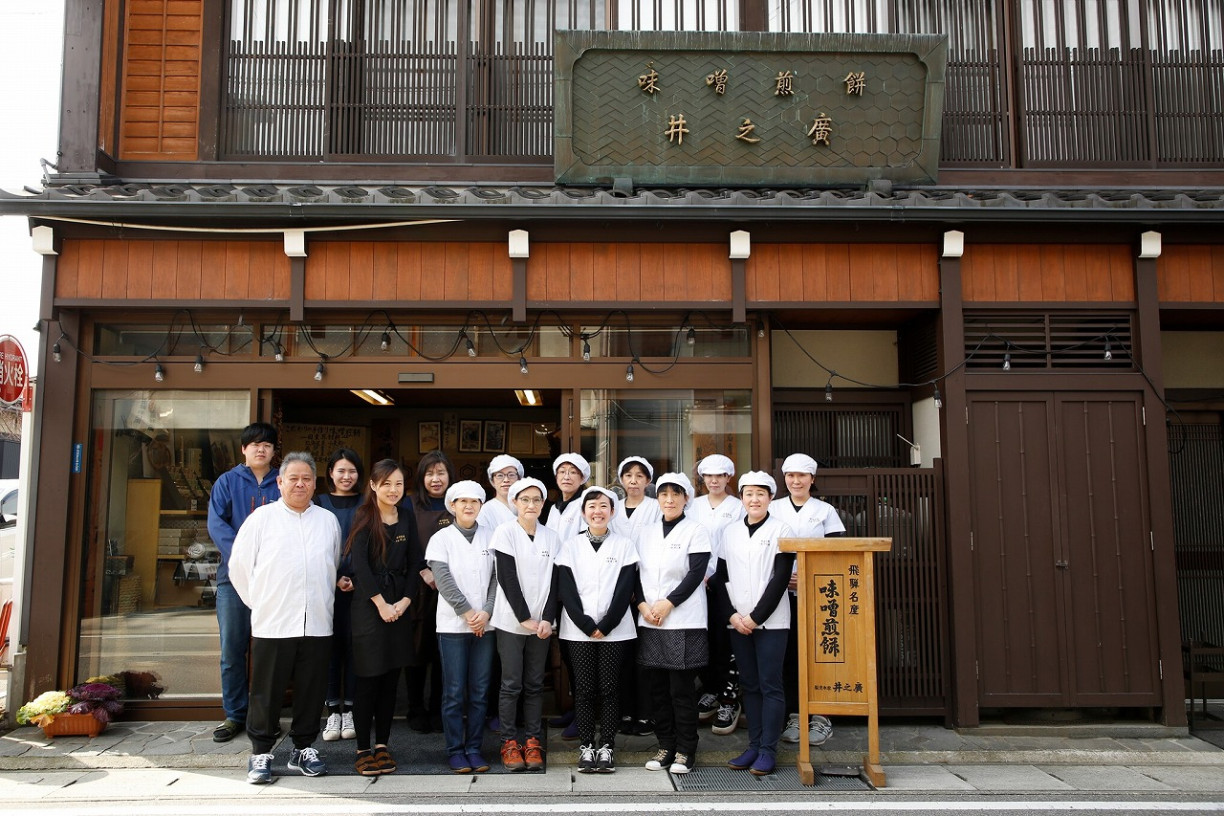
(678, 479)
(503, 461)
(716, 464)
(467, 489)
(584, 467)
(758, 478)
(522, 484)
(799, 463)
(629, 460)
(597, 490)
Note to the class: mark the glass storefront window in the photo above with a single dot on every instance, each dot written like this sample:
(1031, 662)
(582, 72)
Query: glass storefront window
(706, 342)
(431, 342)
(672, 429)
(181, 339)
(147, 594)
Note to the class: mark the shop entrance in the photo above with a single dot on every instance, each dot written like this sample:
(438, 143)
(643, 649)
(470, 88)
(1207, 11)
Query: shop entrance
(469, 426)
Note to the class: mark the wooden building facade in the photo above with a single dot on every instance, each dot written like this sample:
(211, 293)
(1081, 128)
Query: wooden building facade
(264, 207)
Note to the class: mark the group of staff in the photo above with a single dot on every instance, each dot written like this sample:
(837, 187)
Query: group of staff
(697, 571)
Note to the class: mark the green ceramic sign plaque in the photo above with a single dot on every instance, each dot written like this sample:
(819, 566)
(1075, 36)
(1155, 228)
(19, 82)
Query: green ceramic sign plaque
(747, 109)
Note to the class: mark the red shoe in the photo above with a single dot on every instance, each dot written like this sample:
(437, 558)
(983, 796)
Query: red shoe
(533, 754)
(512, 756)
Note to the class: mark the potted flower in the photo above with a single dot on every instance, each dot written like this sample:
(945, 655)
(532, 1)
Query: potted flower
(83, 710)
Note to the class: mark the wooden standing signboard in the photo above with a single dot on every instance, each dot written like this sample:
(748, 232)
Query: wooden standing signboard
(837, 650)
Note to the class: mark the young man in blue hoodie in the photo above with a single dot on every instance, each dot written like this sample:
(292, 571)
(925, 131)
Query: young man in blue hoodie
(234, 496)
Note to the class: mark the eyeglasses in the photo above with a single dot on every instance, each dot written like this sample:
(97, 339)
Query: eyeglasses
(512, 476)
(531, 501)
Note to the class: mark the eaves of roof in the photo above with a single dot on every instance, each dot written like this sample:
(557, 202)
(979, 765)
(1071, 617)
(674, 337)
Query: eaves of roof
(304, 204)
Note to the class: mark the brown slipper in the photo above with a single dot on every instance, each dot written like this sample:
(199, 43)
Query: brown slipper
(366, 764)
(383, 760)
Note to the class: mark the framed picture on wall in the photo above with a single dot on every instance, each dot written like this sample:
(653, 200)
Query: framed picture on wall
(469, 435)
(494, 436)
(429, 436)
(520, 438)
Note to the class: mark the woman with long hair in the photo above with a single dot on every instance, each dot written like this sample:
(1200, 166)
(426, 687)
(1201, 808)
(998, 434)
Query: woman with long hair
(344, 471)
(387, 560)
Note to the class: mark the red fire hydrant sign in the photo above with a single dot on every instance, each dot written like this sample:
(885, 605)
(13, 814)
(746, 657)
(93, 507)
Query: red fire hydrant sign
(14, 372)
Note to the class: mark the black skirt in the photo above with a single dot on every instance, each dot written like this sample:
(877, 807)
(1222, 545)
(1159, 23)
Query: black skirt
(674, 649)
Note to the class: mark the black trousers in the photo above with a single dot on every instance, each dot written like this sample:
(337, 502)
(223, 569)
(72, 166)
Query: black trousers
(673, 693)
(275, 664)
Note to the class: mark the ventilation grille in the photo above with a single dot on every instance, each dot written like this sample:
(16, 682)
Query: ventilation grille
(1049, 341)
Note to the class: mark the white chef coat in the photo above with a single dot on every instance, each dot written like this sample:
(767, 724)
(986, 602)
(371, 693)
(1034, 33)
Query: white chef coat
(283, 567)
(533, 561)
(715, 519)
(471, 566)
(569, 523)
(494, 514)
(663, 563)
(750, 561)
(595, 573)
(644, 515)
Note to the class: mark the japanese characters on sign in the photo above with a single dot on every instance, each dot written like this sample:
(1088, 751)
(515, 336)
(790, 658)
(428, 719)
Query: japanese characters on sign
(820, 132)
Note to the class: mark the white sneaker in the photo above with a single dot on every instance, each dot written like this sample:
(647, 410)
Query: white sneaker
(348, 731)
(331, 731)
(819, 730)
(791, 732)
(682, 764)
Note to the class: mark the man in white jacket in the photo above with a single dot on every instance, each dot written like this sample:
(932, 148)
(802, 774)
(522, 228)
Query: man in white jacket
(283, 566)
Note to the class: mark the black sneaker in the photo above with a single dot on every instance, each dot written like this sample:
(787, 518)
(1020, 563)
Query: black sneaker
(727, 717)
(707, 707)
(259, 769)
(307, 761)
(604, 763)
(643, 728)
(661, 761)
(586, 759)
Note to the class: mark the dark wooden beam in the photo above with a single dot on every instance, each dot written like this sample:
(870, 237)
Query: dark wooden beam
(739, 291)
(1160, 497)
(297, 289)
(954, 432)
(518, 307)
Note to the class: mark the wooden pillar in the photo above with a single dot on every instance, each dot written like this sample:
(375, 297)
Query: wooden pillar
(954, 428)
(1160, 497)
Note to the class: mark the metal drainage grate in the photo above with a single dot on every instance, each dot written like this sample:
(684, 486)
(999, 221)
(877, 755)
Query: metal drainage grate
(704, 778)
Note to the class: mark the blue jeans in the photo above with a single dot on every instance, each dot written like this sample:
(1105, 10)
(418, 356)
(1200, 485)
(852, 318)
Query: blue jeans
(234, 621)
(467, 667)
(759, 659)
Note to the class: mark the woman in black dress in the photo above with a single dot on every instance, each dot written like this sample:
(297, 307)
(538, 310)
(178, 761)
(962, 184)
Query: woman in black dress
(387, 560)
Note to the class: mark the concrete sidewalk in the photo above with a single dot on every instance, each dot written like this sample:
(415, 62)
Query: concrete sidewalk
(179, 759)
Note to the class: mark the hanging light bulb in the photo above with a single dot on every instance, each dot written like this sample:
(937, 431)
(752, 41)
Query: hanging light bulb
(691, 338)
(386, 342)
(471, 347)
(938, 399)
(279, 354)
(159, 373)
(760, 331)
(522, 364)
(829, 390)
(586, 350)
(199, 364)
(1108, 350)
(1007, 361)
(629, 373)
(319, 369)
(56, 353)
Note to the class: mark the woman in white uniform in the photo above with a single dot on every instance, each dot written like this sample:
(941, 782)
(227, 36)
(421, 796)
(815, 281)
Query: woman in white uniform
(638, 510)
(749, 584)
(565, 515)
(596, 573)
(523, 616)
(720, 698)
(672, 640)
(808, 517)
(461, 558)
(503, 471)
